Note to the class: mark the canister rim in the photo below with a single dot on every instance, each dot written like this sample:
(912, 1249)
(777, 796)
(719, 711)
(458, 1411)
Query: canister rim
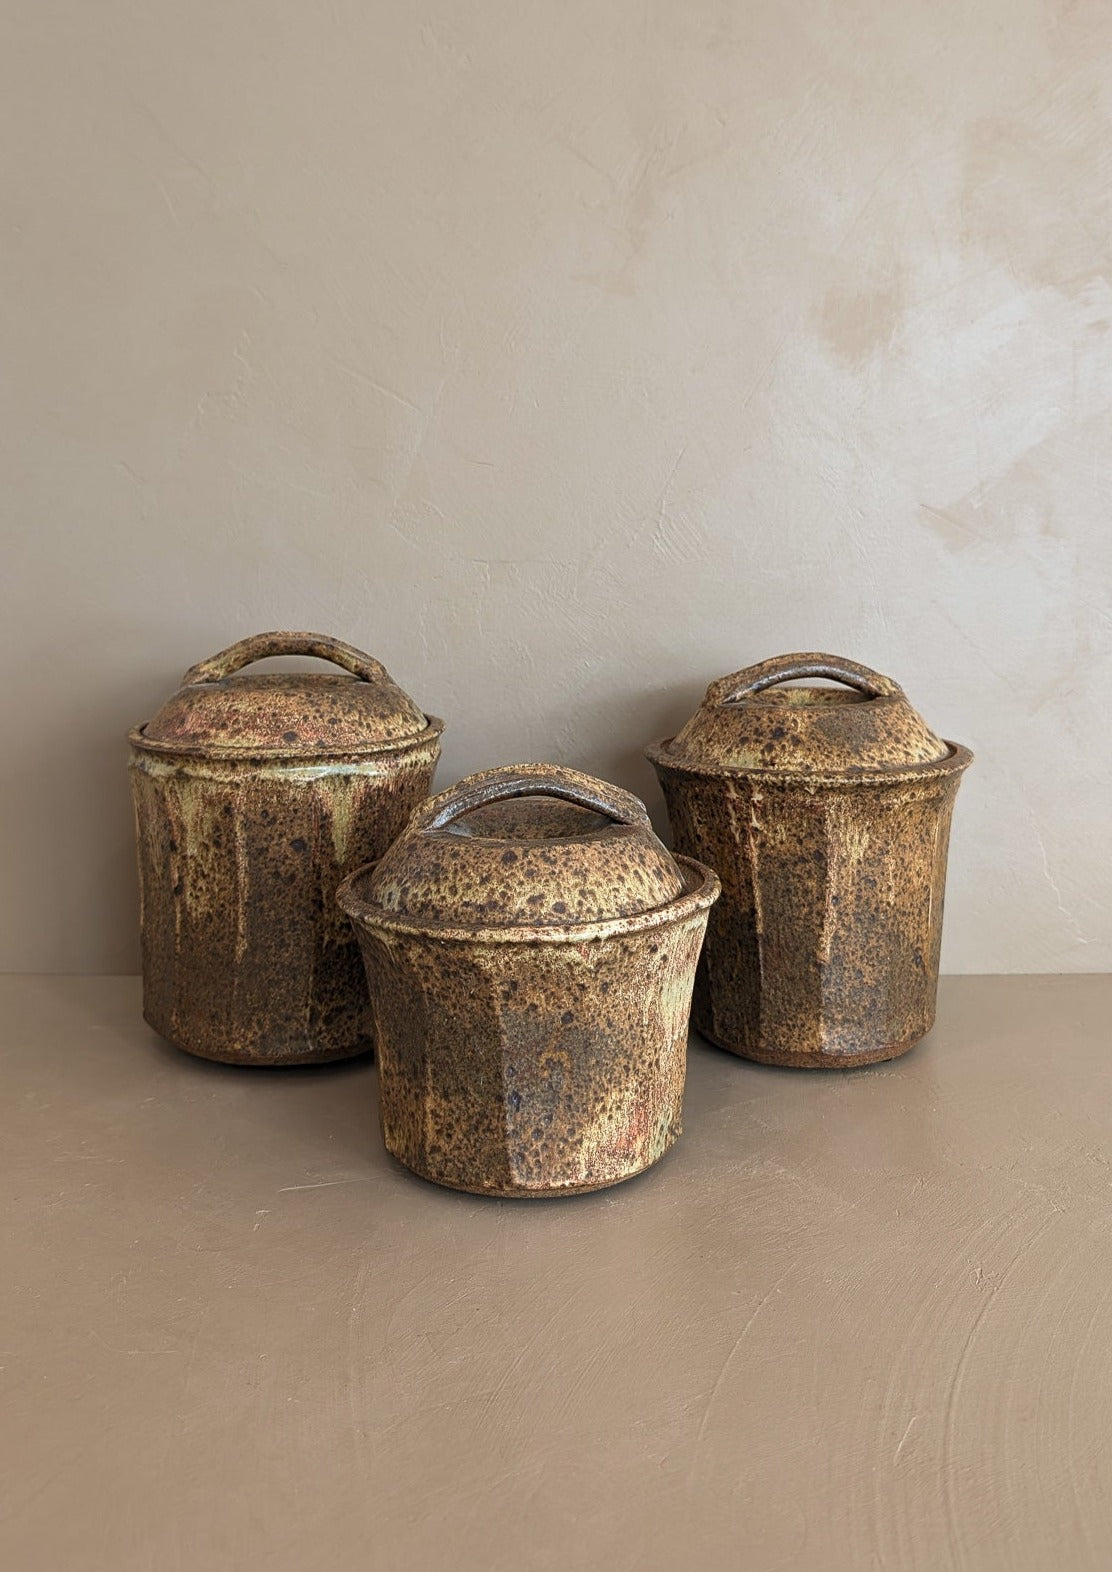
(701, 889)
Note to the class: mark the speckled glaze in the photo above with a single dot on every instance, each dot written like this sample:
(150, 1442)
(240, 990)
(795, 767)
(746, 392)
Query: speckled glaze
(525, 1049)
(254, 796)
(827, 815)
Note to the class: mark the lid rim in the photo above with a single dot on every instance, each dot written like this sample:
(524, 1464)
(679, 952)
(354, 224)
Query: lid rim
(701, 889)
(957, 758)
(230, 753)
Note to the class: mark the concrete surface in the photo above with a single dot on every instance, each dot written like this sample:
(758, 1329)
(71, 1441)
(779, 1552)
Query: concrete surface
(565, 356)
(853, 1321)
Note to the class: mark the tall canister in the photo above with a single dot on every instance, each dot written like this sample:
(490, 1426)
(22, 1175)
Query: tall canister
(826, 812)
(530, 964)
(254, 796)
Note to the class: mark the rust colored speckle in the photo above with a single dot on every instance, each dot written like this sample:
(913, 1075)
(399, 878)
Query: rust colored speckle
(827, 815)
(243, 836)
(522, 1055)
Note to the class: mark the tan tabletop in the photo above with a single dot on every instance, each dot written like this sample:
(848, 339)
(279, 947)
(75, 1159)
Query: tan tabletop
(851, 1321)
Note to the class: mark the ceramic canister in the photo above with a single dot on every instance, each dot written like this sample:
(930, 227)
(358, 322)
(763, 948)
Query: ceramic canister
(826, 812)
(530, 949)
(254, 796)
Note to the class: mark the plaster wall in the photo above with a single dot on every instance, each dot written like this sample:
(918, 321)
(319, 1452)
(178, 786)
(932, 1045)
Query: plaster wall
(565, 356)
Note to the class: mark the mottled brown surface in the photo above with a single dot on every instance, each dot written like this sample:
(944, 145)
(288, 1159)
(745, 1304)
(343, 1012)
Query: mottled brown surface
(245, 955)
(530, 1058)
(315, 714)
(527, 1068)
(824, 949)
(241, 847)
(285, 715)
(527, 873)
(748, 721)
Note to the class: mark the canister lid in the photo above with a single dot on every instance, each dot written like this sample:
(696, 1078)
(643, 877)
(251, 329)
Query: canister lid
(526, 845)
(285, 714)
(748, 721)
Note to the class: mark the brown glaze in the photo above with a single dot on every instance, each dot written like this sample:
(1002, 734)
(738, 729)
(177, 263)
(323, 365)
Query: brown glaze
(525, 1055)
(749, 722)
(824, 948)
(246, 822)
(470, 857)
(286, 715)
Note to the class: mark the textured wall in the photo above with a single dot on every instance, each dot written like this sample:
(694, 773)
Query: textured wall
(566, 356)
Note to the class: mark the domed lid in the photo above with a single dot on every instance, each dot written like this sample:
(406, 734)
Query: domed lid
(285, 714)
(749, 722)
(478, 856)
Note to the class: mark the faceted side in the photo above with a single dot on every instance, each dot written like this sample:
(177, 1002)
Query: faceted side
(439, 1053)
(711, 821)
(824, 946)
(887, 876)
(246, 956)
(532, 1068)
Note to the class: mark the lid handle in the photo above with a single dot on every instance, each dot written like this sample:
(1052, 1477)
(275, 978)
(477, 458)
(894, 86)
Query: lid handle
(529, 780)
(262, 645)
(788, 668)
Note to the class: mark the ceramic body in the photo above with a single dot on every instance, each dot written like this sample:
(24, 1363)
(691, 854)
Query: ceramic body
(246, 958)
(823, 951)
(530, 1059)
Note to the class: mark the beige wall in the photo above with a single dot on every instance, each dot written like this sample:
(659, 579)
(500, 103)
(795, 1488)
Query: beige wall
(566, 356)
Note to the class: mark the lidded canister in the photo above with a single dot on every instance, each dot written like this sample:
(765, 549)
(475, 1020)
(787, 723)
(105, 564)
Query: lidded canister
(826, 812)
(254, 795)
(530, 949)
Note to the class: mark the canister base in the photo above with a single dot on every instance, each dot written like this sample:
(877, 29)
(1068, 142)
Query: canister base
(817, 1061)
(529, 1193)
(257, 1061)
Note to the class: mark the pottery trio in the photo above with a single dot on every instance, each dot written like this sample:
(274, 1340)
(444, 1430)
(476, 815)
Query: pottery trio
(530, 947)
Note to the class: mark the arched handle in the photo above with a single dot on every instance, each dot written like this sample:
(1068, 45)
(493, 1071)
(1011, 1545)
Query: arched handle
(789, 668)
(529, 780)
(262, 645)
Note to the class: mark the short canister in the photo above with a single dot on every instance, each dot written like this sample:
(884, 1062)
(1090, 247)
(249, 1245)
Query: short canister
(254, 796)
(530, 949)
(826, 812)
